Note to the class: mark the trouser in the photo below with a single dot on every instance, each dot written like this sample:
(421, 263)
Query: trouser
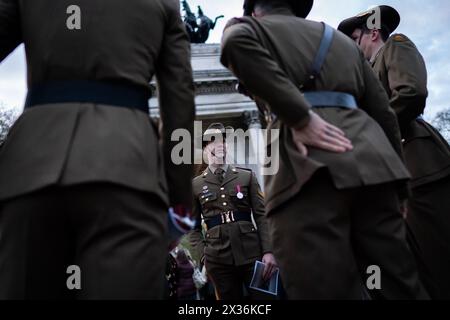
(329, 243)
(230, 281)
(429, 220)
(115, 235)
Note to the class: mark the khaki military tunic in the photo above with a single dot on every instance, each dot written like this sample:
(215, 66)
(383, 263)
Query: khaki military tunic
(237, 243)
(402, 71)
(275, 49)
(76, 143)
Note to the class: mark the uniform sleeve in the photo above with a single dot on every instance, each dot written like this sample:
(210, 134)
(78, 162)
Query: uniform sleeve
(176, 101)
(407, 76)
(253, 65)
(195, 237)
(258, 209)
(10, 27)
(376, 103)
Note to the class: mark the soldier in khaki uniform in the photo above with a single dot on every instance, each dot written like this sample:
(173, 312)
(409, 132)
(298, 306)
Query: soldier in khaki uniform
(333, 207)
(83, 180)
(226, 198)
(401, 69)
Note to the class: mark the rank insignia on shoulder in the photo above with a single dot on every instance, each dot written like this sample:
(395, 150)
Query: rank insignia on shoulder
(399, 38)
(261, 194)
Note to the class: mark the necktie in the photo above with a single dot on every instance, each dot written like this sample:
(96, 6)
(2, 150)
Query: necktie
(219, 174)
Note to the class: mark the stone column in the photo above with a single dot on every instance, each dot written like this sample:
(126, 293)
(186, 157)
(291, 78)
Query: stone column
(256, 144)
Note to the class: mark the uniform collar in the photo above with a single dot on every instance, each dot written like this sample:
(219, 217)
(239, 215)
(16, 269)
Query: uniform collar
(376, 55)
(230, 174)
(213, 168)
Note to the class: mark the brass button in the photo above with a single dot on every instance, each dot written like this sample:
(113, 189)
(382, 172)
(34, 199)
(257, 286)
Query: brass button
(223, 196)
(222, 188)
(207, 199)
(224, 203)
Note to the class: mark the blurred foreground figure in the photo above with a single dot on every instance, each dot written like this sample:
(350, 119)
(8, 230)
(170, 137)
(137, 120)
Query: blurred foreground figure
(402, 72)
(333, 208)
(82, 180)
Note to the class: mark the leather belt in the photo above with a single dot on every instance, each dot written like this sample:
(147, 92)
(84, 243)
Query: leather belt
(87, 91)
(228, 217)
(331, 99)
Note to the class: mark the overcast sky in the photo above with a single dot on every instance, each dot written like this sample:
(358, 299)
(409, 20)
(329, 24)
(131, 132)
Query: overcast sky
(425, 22)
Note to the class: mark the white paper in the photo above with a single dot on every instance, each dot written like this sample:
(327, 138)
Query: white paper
(270, 286)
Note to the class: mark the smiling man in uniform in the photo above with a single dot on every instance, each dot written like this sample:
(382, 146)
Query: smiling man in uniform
(229, 199)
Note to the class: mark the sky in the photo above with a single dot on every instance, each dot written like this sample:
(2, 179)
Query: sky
(426, 23)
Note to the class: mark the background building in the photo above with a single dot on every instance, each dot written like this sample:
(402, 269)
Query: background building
(217, 98)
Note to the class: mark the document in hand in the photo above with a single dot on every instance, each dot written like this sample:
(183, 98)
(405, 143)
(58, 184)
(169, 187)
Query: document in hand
(270, 286)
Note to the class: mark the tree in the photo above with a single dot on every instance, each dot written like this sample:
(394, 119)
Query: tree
(8, 116)
(442, 123)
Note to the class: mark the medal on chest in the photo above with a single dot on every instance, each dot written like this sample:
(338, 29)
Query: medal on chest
(239, 194)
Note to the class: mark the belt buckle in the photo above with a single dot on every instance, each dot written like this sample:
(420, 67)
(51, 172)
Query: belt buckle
(227, 217)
